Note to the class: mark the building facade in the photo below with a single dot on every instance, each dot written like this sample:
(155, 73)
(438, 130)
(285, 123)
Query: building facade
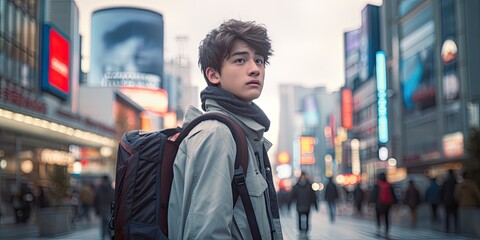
(41, 131)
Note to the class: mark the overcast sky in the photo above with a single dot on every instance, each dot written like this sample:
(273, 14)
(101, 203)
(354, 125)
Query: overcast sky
(307, 37)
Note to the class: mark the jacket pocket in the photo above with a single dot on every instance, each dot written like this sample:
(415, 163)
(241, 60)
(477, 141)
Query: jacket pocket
(256, 184)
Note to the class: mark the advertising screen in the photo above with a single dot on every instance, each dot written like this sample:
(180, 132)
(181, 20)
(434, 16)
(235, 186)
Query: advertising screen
(55, 62)
(126, 48)
(352, 56)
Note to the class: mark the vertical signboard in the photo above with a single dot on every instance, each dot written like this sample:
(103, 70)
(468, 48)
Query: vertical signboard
(55, 62)
(382, 97)
(126, 48)
(307, 147)
(347, 109)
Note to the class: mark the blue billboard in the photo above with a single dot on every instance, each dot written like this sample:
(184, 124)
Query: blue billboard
(126, 48)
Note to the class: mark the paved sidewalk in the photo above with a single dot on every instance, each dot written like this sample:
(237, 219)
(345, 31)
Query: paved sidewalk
(348, 227)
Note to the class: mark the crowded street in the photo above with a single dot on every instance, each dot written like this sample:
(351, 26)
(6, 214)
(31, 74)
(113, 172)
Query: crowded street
(346, 226)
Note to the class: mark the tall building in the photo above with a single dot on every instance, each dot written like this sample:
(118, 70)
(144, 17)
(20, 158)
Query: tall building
(433, 57)
(304, 114)
(424, 87)
(41, 131)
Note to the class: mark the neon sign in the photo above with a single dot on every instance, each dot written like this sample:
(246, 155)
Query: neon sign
(381, 71)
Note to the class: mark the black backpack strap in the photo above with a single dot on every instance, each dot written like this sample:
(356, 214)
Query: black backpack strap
(241, 163)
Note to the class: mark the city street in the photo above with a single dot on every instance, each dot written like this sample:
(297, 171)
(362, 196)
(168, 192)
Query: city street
(346, 226)
(349, 227)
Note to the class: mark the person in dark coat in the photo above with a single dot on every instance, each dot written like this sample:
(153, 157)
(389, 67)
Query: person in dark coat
(412, 200)
(104, 195)
(447, 196)
(358, 197)
(432, 196)
(305, 197)
(331, 196)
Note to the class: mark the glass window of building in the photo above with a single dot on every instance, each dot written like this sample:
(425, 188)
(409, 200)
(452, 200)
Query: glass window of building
(10, 23)
(417, 68)
(26, 37)
(405, 6)
(3, 16)
(18, 27)
(33, 36)
(9, 60)
(2, 57)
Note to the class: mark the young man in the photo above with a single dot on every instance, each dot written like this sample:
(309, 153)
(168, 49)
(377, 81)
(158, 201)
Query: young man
(232, 59)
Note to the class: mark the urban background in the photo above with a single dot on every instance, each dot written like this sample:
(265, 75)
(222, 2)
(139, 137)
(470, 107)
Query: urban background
(408, 105)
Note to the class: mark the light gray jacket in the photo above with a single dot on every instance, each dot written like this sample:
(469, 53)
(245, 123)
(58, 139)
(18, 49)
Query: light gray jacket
(201, 202)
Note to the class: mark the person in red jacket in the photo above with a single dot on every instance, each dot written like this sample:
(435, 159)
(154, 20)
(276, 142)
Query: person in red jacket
(383, 196)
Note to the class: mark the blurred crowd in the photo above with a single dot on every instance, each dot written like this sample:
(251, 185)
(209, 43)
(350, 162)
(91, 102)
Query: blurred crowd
(87, 199)
(448, 197)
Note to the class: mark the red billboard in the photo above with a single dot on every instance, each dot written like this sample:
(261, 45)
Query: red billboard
(347, 109)
(55, 62)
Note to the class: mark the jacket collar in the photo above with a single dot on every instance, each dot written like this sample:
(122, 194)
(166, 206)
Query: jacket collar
(249, 125)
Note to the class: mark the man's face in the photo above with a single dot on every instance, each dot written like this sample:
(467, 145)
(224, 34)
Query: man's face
(242, 74)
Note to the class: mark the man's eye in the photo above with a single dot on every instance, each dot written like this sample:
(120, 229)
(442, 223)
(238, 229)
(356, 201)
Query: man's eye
(260, 61)
(239, 60)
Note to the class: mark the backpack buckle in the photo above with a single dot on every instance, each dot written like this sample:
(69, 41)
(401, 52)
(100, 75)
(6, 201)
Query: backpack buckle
(238, 176)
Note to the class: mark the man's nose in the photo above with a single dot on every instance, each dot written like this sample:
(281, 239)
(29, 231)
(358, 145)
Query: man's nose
(254, 69)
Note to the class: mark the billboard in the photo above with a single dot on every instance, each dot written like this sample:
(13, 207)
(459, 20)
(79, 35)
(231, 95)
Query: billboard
(352, 40)
(126, 48)
(55, 62)
(347, 109)
(369, 41)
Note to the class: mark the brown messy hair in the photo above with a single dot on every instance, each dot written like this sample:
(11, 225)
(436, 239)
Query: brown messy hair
(218, 44)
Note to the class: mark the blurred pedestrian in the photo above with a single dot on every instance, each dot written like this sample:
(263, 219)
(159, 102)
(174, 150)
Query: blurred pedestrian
(449, 202)
(283, 196)
(305, 197)
(384, 197)
(331, 196)
(467, 193)
(103, 200)
(43, 200)
(22, 201)
(412, 200)
(87, 197)
(358, 198)
(432, 196)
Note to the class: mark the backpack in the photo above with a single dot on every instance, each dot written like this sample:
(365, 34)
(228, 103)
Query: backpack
(144, 175)
(384, 193)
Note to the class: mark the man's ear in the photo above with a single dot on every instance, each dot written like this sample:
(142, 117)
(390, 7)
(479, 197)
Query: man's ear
(213, 76)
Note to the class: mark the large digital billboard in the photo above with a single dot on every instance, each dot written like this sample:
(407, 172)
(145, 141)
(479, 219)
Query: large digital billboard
(126, 48)
(417, 61)
(55, 62)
